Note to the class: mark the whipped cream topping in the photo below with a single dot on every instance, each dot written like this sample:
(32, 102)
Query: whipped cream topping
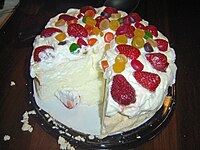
(145, 100)
(73, 70)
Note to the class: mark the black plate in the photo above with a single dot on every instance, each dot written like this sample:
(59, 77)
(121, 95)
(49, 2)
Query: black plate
(128, 139)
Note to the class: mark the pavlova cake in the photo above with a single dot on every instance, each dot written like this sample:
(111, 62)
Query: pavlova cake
(107, 58)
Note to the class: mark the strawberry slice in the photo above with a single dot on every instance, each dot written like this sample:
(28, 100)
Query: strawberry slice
(152, 29)
(122, 92)
(99, 19)
(140, 26)
(49, 31)
(162, 44)
(148, 80)
(128, 50)
(127, 20)
(77, 30)
(40, 49)
(81, 42)
(135, 16)
(127, 30)
(85, 8)
(66, 17)
(158, 61)
(110, 10)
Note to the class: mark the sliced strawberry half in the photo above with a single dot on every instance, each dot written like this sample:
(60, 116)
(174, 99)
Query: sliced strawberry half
(77, 30)
(127, 30)
(127, 20)
(152, 29)
(99, 19)
(135, 16)
(81, 42)
(122, 92)
(162, 44)
(110, 10)
(148, 80)
(158, 61)
(49, 31)
(40, 49)
(66, 17)
(140, 26)
(128, 50)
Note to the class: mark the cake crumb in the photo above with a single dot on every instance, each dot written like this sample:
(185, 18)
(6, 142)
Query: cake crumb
(64, 145)
(68, 134)
(26, 126)
(6, 138)
(12, 83)
(55, 127)
(61, 132)
(46, 115)
(79, 138)
(91, 137)
(32, 112)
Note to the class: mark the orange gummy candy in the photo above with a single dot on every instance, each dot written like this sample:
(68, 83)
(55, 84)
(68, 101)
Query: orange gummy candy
(104, 64)
(108, 37)
(92, 41)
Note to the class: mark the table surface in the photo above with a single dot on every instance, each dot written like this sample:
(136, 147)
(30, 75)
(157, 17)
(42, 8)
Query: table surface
(178, 20)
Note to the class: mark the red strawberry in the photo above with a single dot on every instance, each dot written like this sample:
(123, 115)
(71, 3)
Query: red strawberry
(38, 50)
(85, 8)
(122, 92)
(140, 26)
(99, 19)
(128, 50)
(127, 30)
(158, 61)
(148, 80)
(162, 44)
(152, 29)
(136, 17)
(49, 31)
(66, 17)
(127, 20)
(110, 10)
(81, 42)
(77, 30)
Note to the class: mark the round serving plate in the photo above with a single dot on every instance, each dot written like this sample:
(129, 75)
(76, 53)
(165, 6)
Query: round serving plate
(128, 139)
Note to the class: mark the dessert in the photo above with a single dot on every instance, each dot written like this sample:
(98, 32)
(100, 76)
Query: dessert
(105, 58)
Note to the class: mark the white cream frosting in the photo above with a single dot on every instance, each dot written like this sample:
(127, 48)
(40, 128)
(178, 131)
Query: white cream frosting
(145, 100)
(82, 71)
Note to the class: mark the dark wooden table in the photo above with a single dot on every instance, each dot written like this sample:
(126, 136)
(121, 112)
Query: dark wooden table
(178, 20)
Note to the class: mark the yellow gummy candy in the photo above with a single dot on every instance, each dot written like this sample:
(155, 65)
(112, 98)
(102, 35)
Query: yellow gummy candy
(114, 24)
(60, 22)
(60, 37)
(138, 42)
(118, 67)
(121, 39)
